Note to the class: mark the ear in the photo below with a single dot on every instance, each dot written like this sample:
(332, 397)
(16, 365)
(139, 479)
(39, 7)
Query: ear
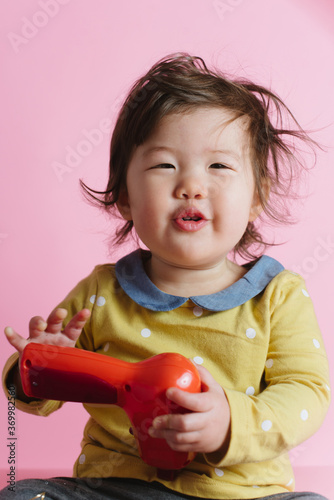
(123, 205)
(257, 206)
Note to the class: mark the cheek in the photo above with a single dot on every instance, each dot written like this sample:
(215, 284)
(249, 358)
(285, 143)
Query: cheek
(235, 197)
(233, 210)
(150, 198)
(146, 213)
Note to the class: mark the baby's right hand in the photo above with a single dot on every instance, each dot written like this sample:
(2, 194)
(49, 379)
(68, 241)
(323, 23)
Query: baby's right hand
(50, 331)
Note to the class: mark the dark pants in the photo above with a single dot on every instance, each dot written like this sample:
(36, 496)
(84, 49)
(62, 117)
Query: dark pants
(67, 488)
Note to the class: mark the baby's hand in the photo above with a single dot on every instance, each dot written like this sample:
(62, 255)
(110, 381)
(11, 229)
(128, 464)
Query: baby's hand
(50, 331)
(206, 429)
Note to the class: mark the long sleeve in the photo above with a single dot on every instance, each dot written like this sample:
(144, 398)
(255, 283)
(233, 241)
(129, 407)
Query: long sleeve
(37, 407)
(295, 395)
(80, 297)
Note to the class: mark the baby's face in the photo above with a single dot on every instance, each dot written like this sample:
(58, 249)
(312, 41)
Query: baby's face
(190, 188)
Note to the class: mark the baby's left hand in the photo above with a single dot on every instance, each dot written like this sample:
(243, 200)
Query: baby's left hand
(206, 429)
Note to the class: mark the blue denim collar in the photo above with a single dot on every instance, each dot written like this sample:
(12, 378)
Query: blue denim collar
(136, 284)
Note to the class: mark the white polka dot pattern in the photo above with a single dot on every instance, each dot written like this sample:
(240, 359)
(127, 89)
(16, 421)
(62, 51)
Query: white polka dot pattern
(250, 333)
(100, 301)
(236, 345)
(198, 311)
(198, 360)
(146, 332)
(304, 415)
(269, 363)
(266, 425)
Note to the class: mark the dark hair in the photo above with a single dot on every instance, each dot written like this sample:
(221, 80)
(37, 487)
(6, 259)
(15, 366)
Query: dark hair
(179, 83)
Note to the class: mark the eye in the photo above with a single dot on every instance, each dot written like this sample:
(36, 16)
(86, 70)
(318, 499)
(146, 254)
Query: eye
(163, 166)
(219, 166)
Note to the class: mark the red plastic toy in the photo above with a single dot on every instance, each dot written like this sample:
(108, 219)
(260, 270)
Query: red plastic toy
(71, 374)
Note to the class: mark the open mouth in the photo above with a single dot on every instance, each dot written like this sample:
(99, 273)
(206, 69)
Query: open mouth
(190, 219)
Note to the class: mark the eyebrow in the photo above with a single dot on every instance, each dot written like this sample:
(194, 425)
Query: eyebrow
(225, 152)
(157, 149)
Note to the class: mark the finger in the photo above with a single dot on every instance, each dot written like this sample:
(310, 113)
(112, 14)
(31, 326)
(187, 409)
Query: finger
(198, 402)
(55, 320)
(185, 447)
(76, 324)
(189, 422)
(181, 441)
(37, 325)
(206, 378)
(15, 339)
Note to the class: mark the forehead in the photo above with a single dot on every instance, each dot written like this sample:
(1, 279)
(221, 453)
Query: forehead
(198, 127)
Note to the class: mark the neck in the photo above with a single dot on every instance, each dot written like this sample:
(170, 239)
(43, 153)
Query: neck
(186, 282)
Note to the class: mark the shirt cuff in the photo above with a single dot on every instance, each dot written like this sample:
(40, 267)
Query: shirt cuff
(42, 407)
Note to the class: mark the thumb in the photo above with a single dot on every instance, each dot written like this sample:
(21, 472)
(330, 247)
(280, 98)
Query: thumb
(206, 378)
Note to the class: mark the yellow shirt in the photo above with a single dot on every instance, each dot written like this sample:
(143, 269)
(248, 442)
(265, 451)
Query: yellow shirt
(267, 353)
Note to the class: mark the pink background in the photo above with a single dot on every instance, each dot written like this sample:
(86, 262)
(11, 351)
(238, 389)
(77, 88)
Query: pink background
(66, 68)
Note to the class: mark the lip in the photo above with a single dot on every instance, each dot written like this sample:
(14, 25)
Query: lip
(190, 219)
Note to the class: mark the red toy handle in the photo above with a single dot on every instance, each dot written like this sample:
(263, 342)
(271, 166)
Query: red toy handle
(71, 374)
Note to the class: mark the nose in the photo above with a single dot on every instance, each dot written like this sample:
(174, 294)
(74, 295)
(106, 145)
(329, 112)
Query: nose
(190, 188)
